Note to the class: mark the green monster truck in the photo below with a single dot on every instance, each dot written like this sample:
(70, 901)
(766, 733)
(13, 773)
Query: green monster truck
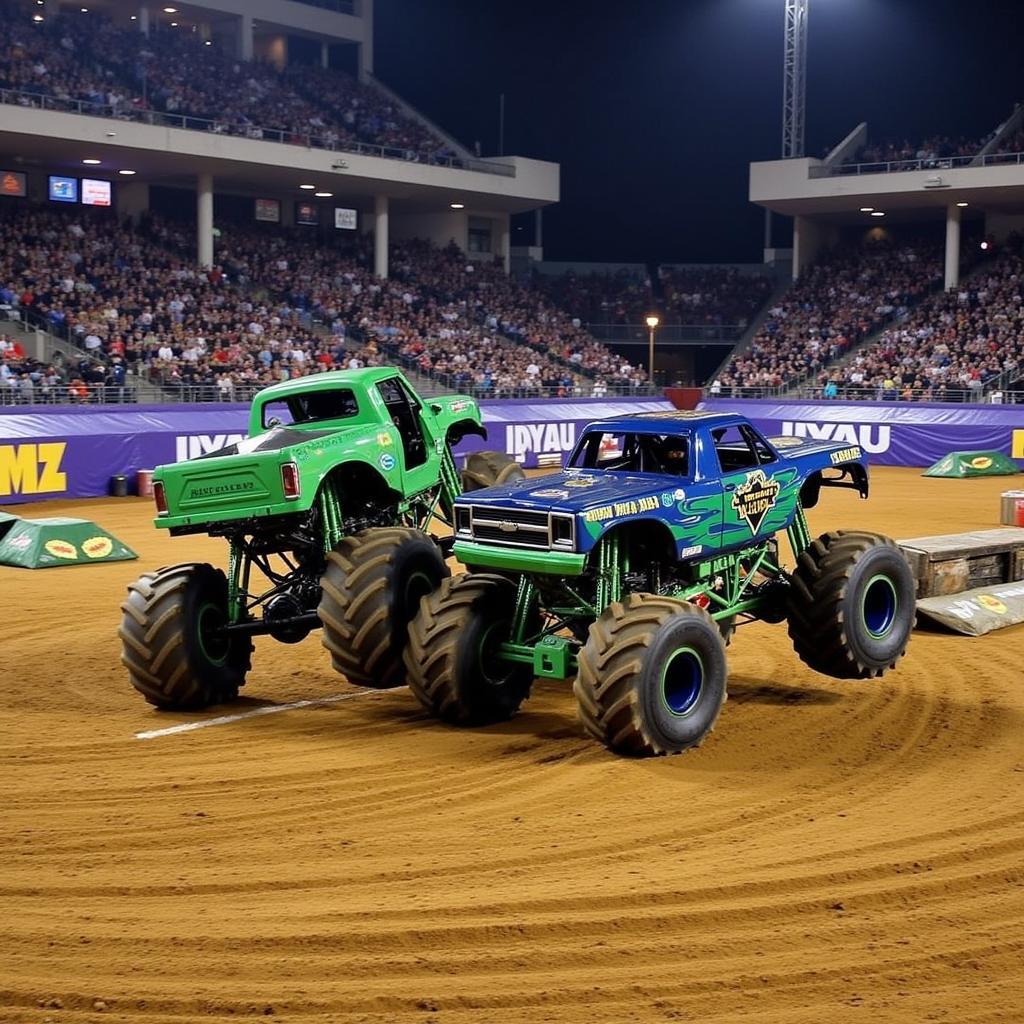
(328, 499)
(631, 569)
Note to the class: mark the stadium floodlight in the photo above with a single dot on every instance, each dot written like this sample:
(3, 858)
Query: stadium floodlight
(91, 160)
(323, 195)
(308, 188)
(878, 213)
(867, 209)
(457, 206)
(126, 171)
(652, 325)
(961, 205)
(170, 10)
(37, 17)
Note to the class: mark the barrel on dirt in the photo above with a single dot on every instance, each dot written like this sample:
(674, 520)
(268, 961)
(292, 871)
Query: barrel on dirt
(1011, 508)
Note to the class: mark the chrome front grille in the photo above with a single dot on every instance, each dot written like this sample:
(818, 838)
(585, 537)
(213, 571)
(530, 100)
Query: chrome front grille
(516, 527)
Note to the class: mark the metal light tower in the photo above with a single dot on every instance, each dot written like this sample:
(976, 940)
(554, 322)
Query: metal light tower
(794, 91)
(794, 73)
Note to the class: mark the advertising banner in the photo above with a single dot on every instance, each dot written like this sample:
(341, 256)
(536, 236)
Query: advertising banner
(890, 433)
(72, 452)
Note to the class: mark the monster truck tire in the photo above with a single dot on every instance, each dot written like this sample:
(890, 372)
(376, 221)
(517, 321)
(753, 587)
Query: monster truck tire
(371, 588)
(450, 658)
(652, 676)
(851, 605)
(485, 469)
(172, 659)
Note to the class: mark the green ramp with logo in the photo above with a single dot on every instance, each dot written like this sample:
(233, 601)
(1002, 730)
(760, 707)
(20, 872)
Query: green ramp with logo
(964, 464)
(45, 543)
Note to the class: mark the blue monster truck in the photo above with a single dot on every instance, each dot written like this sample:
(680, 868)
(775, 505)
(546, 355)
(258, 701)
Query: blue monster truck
(631, 568)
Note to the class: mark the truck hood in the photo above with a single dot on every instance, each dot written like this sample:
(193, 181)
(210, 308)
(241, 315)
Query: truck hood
(271, 441)
(577, 490)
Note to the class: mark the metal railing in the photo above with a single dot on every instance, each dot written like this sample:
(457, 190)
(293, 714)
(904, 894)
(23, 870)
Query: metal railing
(286, 136)
(338, 6)
(942, 163)
(667, 334)
(13, 394)
(849, 393)
(212, 393)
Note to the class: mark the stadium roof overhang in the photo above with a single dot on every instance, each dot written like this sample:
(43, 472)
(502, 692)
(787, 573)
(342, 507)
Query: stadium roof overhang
(37, 139)
(790, 187)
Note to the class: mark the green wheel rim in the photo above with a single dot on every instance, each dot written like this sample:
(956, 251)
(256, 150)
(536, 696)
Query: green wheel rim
(879, 605)
(682, 681)
(487, 657)
(214, 649)
(417, 586)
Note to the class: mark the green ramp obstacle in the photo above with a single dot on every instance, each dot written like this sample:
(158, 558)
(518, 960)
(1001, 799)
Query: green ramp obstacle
(44, 543)
(964, 464)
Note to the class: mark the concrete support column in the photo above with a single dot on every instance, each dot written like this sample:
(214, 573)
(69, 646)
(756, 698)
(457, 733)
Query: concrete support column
(204, 218)
(144, 20)
(952, 278)
(505, 243)
(538, 228)
(806, 243)
(365, 48)
(325, 54)
(245, 36)
(380, 236)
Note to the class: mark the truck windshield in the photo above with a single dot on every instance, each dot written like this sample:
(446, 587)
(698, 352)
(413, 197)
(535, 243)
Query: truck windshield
(312, 407)
(634, 453)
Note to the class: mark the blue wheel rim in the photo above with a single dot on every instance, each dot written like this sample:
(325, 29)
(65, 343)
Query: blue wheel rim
(682, 680)
(879, 606)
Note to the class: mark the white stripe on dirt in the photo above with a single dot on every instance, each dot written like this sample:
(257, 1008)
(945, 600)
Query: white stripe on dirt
(269, 709)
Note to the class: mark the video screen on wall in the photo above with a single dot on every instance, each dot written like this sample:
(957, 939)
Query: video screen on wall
(12, 183)
(63, 190)
(95, 193)
(268, 210)
(345, 220)
(307, 213)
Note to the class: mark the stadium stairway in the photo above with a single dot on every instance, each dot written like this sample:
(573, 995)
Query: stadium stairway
(783, 284)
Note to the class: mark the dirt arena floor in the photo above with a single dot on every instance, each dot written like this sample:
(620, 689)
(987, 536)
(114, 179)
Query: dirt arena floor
(836, 852)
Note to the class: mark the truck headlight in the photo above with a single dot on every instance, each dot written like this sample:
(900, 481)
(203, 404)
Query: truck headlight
(563, 531)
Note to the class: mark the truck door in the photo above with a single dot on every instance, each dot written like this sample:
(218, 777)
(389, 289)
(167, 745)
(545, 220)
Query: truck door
(419, 462)
(751, 510)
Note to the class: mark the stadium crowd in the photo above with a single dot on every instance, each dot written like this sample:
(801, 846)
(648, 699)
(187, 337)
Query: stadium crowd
(712, 295)
(117, 71)
(622, 296)
(848, 294)
(932, 152)
(253, 318)
(949, 347)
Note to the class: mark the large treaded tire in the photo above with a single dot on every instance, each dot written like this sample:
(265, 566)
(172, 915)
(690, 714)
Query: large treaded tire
(486, 469)
(169, 662)
(449, 658)
(847, 582)
(371, 588)
(652, 676)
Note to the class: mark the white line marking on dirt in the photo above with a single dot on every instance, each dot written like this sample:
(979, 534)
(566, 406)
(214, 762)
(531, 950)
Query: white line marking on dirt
(269, 709)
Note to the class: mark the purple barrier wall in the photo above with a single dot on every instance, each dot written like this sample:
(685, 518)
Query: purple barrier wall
(890, 433)
(72, 452)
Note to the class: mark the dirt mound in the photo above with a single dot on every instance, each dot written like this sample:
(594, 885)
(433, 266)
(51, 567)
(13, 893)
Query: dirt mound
(835, 852)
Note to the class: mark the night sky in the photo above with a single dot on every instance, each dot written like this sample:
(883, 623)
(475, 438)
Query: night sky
(655, 108)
